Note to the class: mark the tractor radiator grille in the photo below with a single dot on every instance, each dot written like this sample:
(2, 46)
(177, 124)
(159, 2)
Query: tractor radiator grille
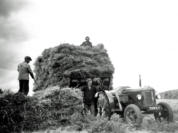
(148, 98)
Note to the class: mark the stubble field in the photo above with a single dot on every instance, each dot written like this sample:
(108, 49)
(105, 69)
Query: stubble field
(117, 125)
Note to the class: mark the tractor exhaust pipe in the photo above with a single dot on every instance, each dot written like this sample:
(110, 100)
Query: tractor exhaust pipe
(140, 81)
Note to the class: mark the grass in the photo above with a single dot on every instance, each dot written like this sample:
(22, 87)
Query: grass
(91, 124)
(87, 124)
(115, 125)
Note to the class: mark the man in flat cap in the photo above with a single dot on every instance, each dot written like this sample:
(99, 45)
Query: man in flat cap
(24, 70)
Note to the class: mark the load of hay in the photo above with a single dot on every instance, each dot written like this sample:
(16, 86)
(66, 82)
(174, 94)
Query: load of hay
(54, 106)
(56, 66)
(51, 107)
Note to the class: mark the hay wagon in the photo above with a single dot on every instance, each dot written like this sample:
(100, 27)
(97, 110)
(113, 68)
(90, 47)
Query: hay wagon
(78, 78)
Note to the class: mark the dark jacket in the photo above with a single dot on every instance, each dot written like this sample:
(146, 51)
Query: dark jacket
(86, 44)
(88, 95)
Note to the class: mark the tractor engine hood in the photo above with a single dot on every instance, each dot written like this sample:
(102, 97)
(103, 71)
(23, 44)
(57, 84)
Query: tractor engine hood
(136, 90)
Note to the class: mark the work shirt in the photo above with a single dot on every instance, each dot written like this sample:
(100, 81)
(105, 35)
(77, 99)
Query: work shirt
(86, 44)
(24, 71)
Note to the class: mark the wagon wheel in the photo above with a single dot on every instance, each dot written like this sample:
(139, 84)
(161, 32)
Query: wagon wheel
(164, 113)
(103, 105)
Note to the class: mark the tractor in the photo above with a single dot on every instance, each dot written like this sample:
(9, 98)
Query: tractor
(135, 103)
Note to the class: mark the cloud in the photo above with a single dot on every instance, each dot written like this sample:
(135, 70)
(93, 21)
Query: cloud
(9, 6)
(12, 32)
(8, 79)
(8, 58)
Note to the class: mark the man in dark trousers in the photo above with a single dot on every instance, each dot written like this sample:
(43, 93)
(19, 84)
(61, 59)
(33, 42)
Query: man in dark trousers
(89, 97)
(24, 70)
(87, 42)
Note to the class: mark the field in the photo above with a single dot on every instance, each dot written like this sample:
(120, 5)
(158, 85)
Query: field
(74, 121)
(117, 125)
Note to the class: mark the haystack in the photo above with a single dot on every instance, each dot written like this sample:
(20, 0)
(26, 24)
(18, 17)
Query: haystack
(51, 107)
(11, 108)
(56, 66)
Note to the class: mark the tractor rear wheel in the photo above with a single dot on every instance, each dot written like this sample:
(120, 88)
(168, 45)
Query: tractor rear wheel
(164, 113)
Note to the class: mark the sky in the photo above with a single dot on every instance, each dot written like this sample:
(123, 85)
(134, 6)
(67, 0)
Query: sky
(140, 36)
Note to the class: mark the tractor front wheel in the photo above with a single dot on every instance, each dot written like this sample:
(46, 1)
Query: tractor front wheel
(133, 115)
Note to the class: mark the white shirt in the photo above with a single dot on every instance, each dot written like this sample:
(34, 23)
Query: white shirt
(24, 70)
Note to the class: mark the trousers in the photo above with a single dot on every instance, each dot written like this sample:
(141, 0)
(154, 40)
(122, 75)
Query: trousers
(24, 86)
(92, 107)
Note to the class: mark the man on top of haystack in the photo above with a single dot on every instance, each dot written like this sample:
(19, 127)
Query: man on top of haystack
(87, 42)
(24, 70)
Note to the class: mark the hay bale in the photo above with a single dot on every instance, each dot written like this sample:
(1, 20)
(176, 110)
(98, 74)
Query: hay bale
(57, 65)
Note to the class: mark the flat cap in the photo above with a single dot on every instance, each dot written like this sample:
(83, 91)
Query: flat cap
(28, 58)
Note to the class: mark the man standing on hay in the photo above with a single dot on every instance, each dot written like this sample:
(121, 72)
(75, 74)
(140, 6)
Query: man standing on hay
(24, 70)
(87, 42)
